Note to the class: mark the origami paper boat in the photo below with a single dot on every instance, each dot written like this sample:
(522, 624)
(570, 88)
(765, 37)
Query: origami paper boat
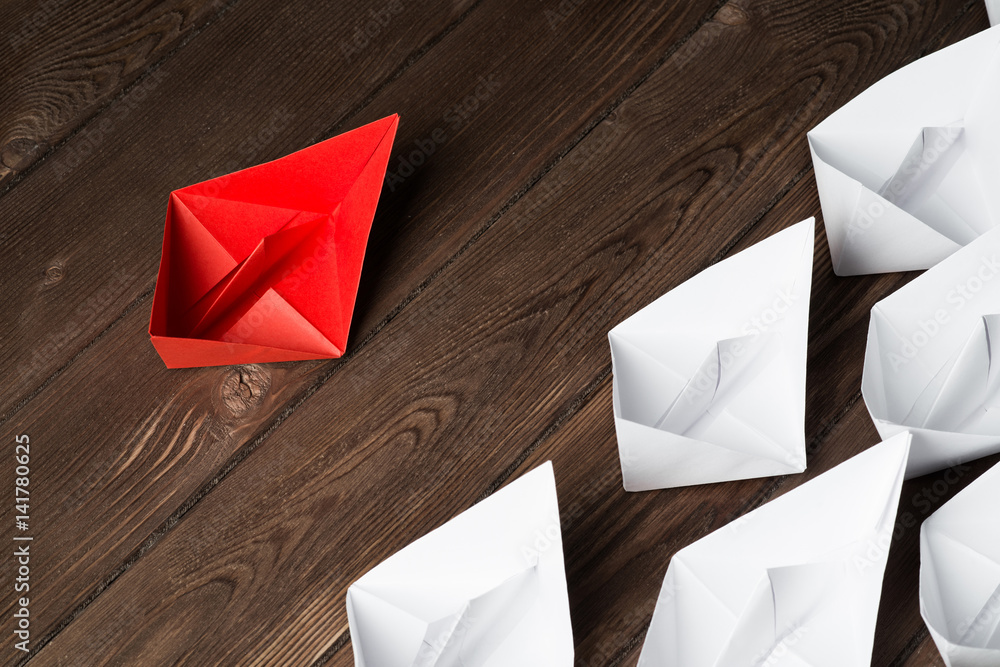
(960, 575)
(907, 171)
(993, 9)
(796, 582)
(709, 379)
(263, 264)
(486, 589)
(928, 364)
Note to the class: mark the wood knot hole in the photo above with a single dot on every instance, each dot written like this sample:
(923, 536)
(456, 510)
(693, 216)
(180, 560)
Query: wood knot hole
(19, 153)
(54, 273)
(731, 14)
(243, 388)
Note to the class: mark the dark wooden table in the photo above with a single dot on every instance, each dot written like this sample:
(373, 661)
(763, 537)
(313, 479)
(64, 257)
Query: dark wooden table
(568, 161)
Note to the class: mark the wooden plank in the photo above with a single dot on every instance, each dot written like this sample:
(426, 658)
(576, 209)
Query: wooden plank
(105, 190)
(63, 61)
(925, 655)
(899, 637)
(617, 581)
(172, 431)
(435, 410)
(199, 130)
(616, 589)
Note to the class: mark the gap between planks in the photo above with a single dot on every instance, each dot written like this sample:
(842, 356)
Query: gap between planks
(580, 401)
(583, 398)
(335, 129)
(242, 453)
(99, 111)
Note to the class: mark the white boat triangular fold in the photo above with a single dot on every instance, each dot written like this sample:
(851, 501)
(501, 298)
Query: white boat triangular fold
(906, 171)
(709, 379)
(487, 588)
(960, 575)
(929, 364)
(794, 582)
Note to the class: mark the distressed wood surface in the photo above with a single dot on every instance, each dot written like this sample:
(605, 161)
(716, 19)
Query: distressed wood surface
(577, 160)
(191, 119)
(64, 61)
(189, 427)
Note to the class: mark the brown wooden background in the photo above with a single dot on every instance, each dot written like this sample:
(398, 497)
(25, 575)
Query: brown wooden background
(218, 515)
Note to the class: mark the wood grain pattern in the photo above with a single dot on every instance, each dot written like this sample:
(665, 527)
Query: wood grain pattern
(205, 404)
(192, 119)
(218, 515)
(439, 409)
(214, 128)
(925, 653)
(63, 61)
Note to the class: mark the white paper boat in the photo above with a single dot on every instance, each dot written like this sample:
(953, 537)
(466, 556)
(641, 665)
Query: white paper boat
(487, 589)
(709, 379)
(907, 171)
(795, 583)
(928, 365)
(960, 575)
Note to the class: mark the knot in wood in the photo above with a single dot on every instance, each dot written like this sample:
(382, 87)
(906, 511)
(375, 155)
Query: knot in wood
(243, 388)
(54, 273)
(731, 14)
(19, 153)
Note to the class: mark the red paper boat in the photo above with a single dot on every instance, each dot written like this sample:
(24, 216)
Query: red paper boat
(263, 264)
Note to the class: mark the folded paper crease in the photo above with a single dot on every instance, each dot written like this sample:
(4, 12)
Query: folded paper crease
(929, 359)
(794, 582)
(906, 171)
(263, 264)
(960, 575)
(486, 589)
(709, 379)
